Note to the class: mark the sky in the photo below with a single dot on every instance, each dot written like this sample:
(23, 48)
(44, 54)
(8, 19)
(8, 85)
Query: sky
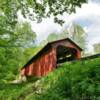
(88, 16)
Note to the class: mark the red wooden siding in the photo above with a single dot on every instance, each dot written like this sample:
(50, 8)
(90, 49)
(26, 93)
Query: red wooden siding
(42, 66)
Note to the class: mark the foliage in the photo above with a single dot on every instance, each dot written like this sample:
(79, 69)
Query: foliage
(9, 58)
(21, 36)
(24, 35)
(96, 48)
(13, 47)
(55, 36)
(79, 35)
(52, 37)
(40, 8)
(71, 81)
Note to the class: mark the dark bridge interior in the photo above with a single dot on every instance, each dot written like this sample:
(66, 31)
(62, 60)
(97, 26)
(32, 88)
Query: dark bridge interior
(65, 54)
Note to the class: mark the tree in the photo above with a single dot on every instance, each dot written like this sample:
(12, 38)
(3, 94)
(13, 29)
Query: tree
(55, 36)
(39, 9)
(96, 48)
(11, 59)
(12, 50)
(78, 35)
(22, 36)
(52, 37)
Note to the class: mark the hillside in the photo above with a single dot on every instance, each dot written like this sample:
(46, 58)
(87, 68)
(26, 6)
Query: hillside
(71, 81)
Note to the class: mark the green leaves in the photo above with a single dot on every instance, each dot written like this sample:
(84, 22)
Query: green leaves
(56, 20)
(24, 34)
(12, 56)
(41, 9)
(96, 47)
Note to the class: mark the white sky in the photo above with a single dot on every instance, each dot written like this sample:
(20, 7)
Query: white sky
(88, 16)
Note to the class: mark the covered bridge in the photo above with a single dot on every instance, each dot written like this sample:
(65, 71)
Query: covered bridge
(53, 53)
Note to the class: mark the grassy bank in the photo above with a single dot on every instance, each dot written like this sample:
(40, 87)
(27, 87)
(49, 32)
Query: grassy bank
(71, 81)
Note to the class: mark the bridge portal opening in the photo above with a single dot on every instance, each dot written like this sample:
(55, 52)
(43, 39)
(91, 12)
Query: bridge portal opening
(65, 54)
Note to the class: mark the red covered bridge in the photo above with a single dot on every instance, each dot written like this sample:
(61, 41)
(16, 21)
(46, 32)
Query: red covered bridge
(52, 54)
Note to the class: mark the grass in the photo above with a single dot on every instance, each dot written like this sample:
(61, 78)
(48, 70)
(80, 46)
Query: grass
(71, 81)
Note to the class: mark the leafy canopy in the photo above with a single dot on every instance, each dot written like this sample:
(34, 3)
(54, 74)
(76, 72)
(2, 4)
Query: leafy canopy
(22, 36)
(39, 9)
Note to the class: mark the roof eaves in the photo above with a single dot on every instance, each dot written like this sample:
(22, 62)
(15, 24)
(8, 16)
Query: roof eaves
(41, 52)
